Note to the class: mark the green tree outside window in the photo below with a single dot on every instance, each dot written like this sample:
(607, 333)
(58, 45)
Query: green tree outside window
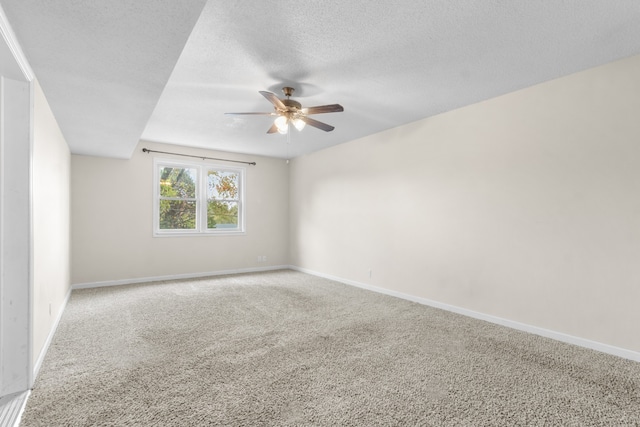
(178, 198)
(222, 199)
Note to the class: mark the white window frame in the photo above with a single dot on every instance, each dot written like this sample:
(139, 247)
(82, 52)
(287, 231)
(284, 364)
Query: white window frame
(201, 198)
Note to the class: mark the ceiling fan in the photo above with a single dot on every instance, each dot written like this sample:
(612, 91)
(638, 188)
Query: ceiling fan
(291, 112)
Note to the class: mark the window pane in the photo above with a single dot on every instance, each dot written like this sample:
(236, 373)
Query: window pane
(222, 184)
(197, 199)
(177, 215)
(178, 182)
(222, 215)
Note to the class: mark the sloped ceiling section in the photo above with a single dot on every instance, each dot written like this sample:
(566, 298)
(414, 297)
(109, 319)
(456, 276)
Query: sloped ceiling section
(102, 64)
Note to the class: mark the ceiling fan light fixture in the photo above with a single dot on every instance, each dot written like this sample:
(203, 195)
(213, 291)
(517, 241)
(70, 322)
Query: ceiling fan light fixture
(299, 124)
(282, 123)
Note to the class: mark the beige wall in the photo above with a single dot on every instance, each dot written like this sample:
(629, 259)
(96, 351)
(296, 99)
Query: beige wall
(51, 224)
(524, 207)
(112, 210)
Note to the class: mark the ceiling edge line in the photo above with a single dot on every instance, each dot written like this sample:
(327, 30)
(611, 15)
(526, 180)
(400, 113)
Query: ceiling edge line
(12, 42)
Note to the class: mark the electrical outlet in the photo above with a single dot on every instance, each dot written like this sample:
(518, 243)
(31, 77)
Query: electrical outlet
(259, 258)
(264, 258)
(370, 271)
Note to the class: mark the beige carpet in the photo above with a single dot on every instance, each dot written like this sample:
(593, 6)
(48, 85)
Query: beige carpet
(284, 348)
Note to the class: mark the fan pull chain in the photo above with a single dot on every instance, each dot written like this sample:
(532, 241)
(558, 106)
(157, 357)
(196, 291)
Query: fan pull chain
(288, 140)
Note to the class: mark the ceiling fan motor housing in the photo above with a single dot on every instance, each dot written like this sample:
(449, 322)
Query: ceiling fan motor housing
(291, 104)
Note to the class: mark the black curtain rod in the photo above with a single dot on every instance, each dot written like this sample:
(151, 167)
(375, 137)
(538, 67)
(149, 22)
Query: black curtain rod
(146, 150)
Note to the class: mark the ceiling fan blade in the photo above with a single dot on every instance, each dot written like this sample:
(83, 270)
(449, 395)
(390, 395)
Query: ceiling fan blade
(332, 108)
(252, 114)
(316, 124)
(272, 98)
(273, 129)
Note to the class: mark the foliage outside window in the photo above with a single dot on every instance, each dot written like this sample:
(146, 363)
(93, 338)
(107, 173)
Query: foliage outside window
(197, 199)
(222, 199)
(178, 201)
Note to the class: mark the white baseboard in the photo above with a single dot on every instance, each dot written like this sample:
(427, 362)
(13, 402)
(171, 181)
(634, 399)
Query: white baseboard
(559, 336)
(175, 277)
(52, 332)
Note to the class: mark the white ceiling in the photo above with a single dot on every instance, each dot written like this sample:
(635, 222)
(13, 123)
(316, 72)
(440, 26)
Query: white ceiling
(106, 66)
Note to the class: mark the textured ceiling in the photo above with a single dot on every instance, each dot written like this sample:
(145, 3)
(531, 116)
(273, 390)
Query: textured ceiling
(103, 64)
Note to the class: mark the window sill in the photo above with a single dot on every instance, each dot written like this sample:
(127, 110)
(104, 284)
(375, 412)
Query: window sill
(199, 234)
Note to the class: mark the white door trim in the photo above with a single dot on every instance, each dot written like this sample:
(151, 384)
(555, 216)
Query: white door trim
(16, 242)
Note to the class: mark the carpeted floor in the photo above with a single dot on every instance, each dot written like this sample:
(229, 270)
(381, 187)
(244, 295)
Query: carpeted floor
(284, 348)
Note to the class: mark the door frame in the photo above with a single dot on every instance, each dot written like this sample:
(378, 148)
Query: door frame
(16, 229)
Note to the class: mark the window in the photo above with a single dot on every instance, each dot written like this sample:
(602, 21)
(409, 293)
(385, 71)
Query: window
(197, 199)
